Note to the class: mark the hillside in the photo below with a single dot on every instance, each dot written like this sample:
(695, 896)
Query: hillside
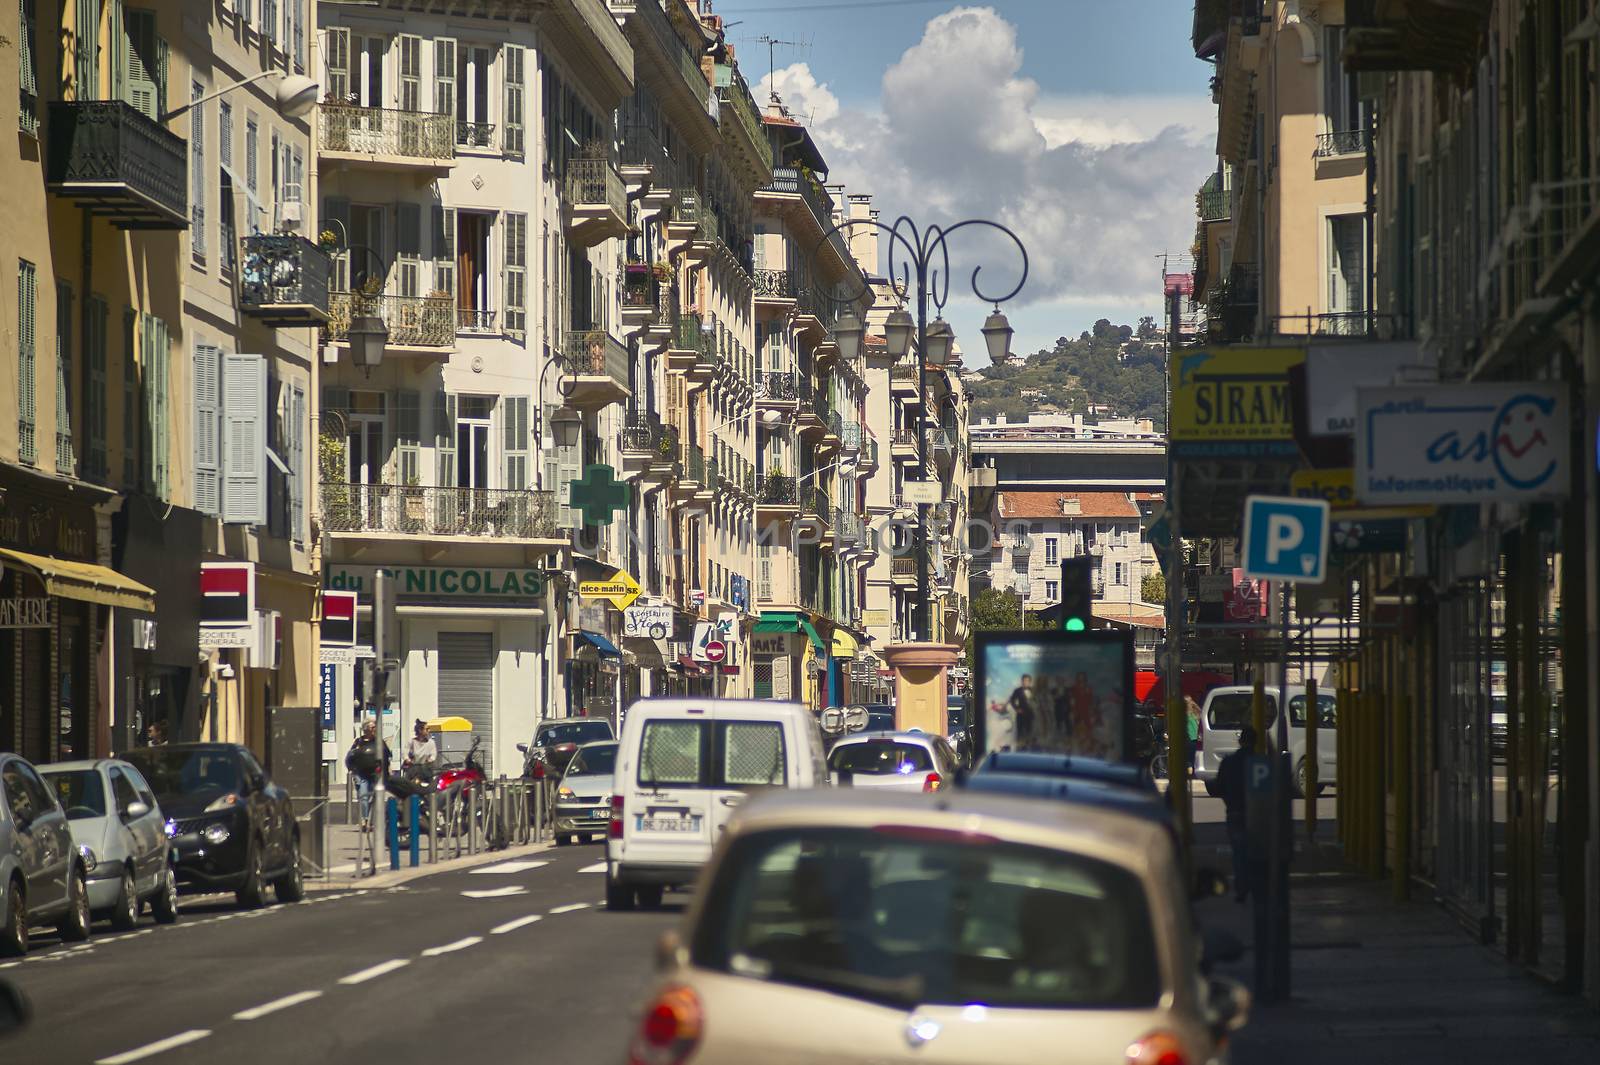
(1076, 373)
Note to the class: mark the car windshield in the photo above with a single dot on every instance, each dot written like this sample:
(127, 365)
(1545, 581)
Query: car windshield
(916, 916)
(574, 732)
(880, 757)
(198, 773)
(1230, 711)
(595, 761)
(880, 721)
(80, 791)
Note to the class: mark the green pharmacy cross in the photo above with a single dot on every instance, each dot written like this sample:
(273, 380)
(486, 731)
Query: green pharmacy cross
(599, 494)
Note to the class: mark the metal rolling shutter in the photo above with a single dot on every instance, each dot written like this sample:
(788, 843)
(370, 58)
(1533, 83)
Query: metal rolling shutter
(466, 685)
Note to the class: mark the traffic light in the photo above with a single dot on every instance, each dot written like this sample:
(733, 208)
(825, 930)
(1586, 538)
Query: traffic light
(1077, 598)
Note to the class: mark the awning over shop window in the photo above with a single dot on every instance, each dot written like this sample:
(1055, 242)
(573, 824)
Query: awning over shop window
(600, 643)
(651, 654)
(83, 581)
(692, 668)
(789, 622)
(844, 644)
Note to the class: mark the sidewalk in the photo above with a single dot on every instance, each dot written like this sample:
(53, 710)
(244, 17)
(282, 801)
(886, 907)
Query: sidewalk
(347, 852)
(1379, 982)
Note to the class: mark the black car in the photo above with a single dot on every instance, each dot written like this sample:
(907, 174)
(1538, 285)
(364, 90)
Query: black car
(232, 827)
(556, 741)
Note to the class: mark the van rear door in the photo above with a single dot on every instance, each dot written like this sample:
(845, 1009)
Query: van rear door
(751, 752)
(1226, 713)
(669, 815)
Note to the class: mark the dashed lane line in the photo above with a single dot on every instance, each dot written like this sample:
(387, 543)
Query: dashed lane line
(507, 867)
(570, 907)
(597, 867)
(451, 948)
(256, 1012)
(193, 1035)
(512, 926)
(375, 971)
(495, 893)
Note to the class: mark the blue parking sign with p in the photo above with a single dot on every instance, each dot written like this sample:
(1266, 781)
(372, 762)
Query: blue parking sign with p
(1286, 539)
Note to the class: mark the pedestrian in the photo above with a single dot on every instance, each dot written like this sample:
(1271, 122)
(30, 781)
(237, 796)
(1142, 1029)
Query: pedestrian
(1022, 709)
(1231, 785)
(156, 734)
(1191, 725)
(362, 762)
(421, 751)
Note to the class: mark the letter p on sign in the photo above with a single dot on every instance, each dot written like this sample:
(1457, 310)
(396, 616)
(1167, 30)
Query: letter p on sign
(1286, 539)
(1283, 533)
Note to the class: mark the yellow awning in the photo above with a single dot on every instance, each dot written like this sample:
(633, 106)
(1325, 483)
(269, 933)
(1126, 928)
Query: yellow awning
(84, 581)
(844, 644)
(449, 724)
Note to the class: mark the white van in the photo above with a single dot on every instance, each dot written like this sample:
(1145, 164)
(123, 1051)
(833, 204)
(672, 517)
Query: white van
(1227, 710)
(683, 768)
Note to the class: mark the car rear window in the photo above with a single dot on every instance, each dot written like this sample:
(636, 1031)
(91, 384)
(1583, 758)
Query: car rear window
(594, 760)
(79, 791)
(1231, 712)
(909, 916)
(575, 732)
(712, 754)
(188, 772)
(875, 757)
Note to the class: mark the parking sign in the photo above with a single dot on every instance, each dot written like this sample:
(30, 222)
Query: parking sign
(1286, 539)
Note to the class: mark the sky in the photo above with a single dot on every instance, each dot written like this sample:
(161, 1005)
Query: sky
(1084, 125)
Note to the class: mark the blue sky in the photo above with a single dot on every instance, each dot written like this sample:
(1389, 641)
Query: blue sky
(1084, 124)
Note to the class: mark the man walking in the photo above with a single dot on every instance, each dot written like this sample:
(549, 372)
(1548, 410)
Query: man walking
(362, 762)
(1233, 787)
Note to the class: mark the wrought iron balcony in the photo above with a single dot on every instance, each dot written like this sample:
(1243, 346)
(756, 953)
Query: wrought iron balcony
(416, 510)
(649, 13)
(904, 568)
(694, 464)
(640, 294)
(738, 109)
(815, 501)
(643, 433)
(474, 320)
(595, 369)
(776, 490)
(412, 321)
(383, 136)
(1214, 205)
(109, 157)
(774, 285)
(597, 201)
(641, 148)
(283, 280)
(1345, 142)
(777, 386)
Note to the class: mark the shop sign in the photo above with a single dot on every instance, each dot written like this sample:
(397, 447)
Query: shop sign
(652, 622)
(1459, 444)
(433, 583)
(46, 527)
(621, 589)
(227, 599)
(1233, 403)
(1335, 371)
(873, 619)
(338, 619)
(25, 612)
(770, 645)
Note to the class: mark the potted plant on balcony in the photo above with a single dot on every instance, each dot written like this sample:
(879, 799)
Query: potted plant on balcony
(337, 510)
(328, 241)
(662, 270)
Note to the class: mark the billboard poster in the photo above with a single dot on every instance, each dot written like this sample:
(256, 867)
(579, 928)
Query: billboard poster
(1233, 403)
(1057, 692)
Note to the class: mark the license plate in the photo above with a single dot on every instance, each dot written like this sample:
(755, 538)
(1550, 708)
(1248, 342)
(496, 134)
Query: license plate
(668, 824)
(602, 813)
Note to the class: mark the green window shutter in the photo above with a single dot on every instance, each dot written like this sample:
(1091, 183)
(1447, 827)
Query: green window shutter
(66, 460)
(515, 282)
(444, 438)
(514, 419)
(207, 471)
(27, 337)
(144, 59)
(158, 383)
(131, 467)
(86, 50)
(407, 404)
(513, 142)
(94, 346)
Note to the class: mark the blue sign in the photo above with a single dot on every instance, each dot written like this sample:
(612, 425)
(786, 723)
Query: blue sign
(1286, 539)
(329, 687)
(738, 592)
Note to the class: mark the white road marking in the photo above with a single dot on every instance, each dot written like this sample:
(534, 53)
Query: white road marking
(375, 971)
(275, 1005)
(571, 907)
(508, 867)
(512, 926)
(14, 964)
(495, 893)
(194, 1035)
(451, 948)
(597, 867)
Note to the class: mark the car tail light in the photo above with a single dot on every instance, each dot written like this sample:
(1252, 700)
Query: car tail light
(933, 783)
(538, 771)
(669, 1030)
(1157, 1048)
(614, 830)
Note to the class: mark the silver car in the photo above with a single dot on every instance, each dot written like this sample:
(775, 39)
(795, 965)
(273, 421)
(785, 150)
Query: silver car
(42, 876)
(121, 833)
(583, 801)
(901, 761)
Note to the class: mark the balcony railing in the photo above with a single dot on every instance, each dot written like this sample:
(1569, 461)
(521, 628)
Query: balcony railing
(869, 450)
(412, 321)
(1215, 205)
(774, 285)
(643, 432)
(815, 501)
(596, 183)
(478, 136)
(474, 320)
(595, 353)
(906, 372)
(650, 13)
(788, 179)
(419, 135)
(905, 566)
(694, 463)
(641, 147)
(1343, 142)
(640, 290)
(123, 165)
(778, 386)
(512, 514)
(734, 97)
(776, 490)
(284, 279)
(691, 337)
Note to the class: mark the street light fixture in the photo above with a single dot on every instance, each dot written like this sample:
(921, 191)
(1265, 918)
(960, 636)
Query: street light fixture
(847, 333)
(367, 336)
(997, 334)
(897, 333)
(940, 339)
(567, 424)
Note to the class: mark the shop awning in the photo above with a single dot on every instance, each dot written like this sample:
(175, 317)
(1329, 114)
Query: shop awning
(651, 654)
(784, 621)
(83, 581)
(692, 668)
(844, 644)
(600, 643)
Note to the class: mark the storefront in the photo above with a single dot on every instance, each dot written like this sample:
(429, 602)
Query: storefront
(56, 602)
(785, 653)
(156, 681)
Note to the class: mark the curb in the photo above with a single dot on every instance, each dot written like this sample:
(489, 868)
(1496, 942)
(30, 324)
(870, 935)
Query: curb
(405, 874)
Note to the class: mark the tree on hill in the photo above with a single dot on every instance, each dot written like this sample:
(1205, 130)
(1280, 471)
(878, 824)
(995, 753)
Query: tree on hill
(1075, 373)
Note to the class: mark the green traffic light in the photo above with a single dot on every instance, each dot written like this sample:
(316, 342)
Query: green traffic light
(1075, 625)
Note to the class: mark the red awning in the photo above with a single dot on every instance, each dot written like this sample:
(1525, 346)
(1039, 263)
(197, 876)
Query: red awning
(691, 667)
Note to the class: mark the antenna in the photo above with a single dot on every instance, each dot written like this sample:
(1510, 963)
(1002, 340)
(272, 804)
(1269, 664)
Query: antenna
(772, 65)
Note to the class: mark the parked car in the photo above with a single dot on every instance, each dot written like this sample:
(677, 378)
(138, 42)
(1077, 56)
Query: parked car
(894, 928)
(121, 833)
(906, 761)
(1227, 710)
(42, 875)
(583, 801)
(555, 742)
(683, 767)
(232, 827)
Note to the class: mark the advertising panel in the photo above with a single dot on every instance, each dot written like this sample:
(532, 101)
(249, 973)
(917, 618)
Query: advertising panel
(1059, 692)
(1335, 371)
(1233, 403)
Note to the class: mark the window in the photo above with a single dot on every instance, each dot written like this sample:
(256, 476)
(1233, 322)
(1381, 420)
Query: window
(1120, 573)
(1345, 113)
(475, 313)
(473, 128)
(1052, 551)
(28, 71)
(1347, 263)
(516, 273)
(512, 141)
(86, 49)
(153, 342)
(225, 225)
(65, 460)
(1052, 591)
(27, 337)
(252, 148)
(94, 354)
(672, 752)
(197, 175)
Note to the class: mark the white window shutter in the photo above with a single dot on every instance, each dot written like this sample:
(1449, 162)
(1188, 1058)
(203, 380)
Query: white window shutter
(338, 63)
(568, 462)
(444, 75)
(410, 49)
(298, 427)
(207, 472)
(244, 440)
(444, 438)
(512, 141)
(514, 421)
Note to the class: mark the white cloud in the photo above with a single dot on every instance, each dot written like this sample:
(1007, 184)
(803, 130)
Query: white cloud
(1095, 186)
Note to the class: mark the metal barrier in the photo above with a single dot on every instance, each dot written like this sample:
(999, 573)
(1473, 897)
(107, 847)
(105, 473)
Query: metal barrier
(501, 813)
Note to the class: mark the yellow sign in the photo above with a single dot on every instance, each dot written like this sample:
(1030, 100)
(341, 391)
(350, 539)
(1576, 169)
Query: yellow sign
(621, 589)
(1338, 487)
(1233, 402)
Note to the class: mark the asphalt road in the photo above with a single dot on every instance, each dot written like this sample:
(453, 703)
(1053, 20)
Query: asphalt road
(507, 962)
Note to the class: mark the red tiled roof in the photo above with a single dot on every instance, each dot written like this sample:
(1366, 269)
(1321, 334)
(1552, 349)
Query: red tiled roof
(876, 342)
(1146, 497)
(1048, 505)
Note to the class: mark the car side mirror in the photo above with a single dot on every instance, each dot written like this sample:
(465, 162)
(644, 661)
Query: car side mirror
(135, 810)
(1218, 945)
(671, 954)
(14, 1009)
(1227, 1006)
(1208, 884)
(523, 747)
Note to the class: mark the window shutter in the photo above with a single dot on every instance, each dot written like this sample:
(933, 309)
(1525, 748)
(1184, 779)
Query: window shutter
(410, 48)
(297, 462)
(298, 15)
(158, 374)
(408, 434)
(568, 469)
(28, 70)
(512, 144)
(515, 282)
(246, 11)
(444, 437)
(138, 84)
(197, 175)
(94, 343)
(444, 75)
(244, 421)
(252, 150)
(338, 62)
(269, 20)
(514, 415)
(130, 398)
(207, 483)
(444, 250)
(66, 461)
(27, 338)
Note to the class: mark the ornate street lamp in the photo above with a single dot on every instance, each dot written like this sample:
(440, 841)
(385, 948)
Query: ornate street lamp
(847, 332)
(997, 334)
(940, 340)
(897, 333)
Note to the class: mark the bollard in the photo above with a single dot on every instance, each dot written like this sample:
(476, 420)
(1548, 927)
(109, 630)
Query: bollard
(392, 831)
(455, 822)
(1341, 776)
(472, 820)
(1313, 777)
(433, 827)
(1258, 712)
(416, 831)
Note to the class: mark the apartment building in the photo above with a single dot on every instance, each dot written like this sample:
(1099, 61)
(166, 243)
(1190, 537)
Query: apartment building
(472, 202)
